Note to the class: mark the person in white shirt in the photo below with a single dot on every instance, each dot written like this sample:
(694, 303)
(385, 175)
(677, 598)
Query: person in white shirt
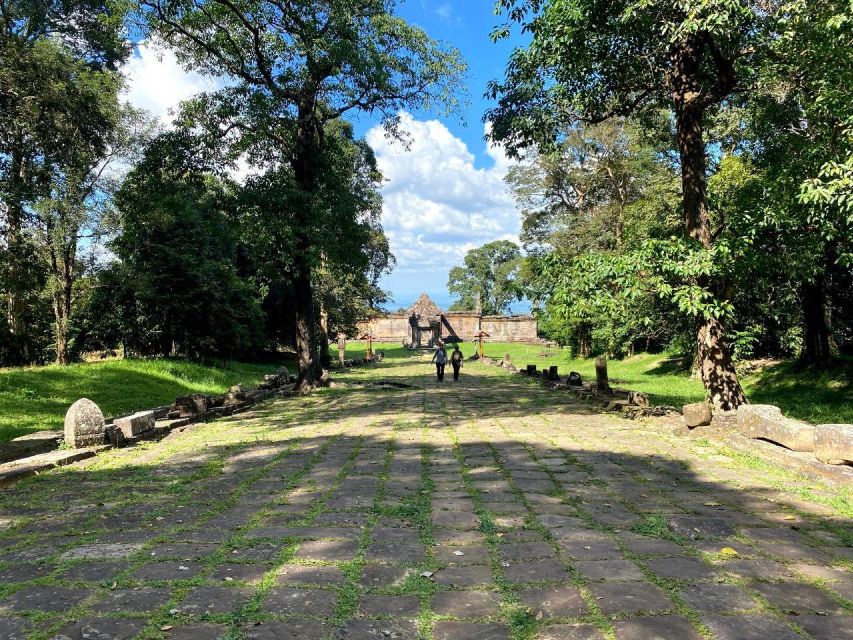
(440, 360)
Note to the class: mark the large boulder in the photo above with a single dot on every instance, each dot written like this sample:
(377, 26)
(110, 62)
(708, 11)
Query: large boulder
(84, 425)
(766, 421)
(833, 443)
(697, 414)
(135, 424)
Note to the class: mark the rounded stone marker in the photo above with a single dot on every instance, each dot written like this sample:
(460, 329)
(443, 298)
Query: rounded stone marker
(84, 425)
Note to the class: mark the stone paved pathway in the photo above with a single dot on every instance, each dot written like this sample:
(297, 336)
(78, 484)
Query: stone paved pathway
(481, 510)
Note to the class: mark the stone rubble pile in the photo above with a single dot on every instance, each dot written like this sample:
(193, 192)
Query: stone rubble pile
(86, 431)
(829, 443)
(631, 404)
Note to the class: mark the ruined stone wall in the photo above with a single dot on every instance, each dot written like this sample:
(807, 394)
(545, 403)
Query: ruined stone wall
(395, 327)
(510, 328)
(392, 327)
(461, 323)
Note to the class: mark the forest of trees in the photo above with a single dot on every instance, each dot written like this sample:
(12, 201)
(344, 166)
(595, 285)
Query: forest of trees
(116, 231)
(685, 176)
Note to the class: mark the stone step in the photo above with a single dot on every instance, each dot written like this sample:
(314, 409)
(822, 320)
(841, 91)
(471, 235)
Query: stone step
(29, 445)
(18, 469)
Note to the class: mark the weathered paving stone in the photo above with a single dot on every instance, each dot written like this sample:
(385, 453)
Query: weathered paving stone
(380, 605)
(612, 570)
(107, 551)
(136, 600)
(656, 628)
(181, 550)
(462, 555)
(208, 600)
(828, 627)
(407, 553)
(329, 550)
(356, 629)
(449, 630)
(310, 574)
(293, 629)
(795, 599)
(93, 571)
(681, 568)
(199, 631)
(536, 571)
(754, 627)
(300, 602)
(171, 570)
(44, 598)
(591, 549)
(14, 628)
(455, 519)
(526, 550)
(717, 598)
(553, 602)
(466, 604)
(379, 575)
(628, 597)
(693, 527)
(457, 537)
(472, 576)
(759, 568)
(100, 629)
(569, 632)
(233, 571)
(25, 572)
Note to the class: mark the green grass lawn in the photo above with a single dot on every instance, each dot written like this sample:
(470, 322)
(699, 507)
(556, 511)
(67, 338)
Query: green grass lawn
(817, 397)
(36, 398)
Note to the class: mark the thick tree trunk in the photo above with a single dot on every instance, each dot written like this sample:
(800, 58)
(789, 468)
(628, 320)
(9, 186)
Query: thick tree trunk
(15, 306)
(817, 349)
(304, 163)
(303, 307)
(715, 365)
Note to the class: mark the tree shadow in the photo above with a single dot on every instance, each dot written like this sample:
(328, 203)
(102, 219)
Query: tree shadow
(266, 492)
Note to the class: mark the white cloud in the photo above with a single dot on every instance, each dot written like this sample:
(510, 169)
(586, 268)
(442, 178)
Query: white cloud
(438, 204)
(156, 81)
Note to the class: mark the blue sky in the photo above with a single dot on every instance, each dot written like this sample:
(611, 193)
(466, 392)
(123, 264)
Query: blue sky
(442, 196)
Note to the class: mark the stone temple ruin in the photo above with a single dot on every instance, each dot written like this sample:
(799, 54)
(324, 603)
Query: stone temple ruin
(424, 324)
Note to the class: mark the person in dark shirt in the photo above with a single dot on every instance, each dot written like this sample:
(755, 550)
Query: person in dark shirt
(456, 359)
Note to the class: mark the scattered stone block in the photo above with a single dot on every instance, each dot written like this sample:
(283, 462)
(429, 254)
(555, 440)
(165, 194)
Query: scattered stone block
(697, 414)
(638, 399)
(116, 436)
(84, 425)
(235, 395)
(135, 424)
(191, 405)
(767, 422)
(833, 443)
(724, 420)
(575, 379)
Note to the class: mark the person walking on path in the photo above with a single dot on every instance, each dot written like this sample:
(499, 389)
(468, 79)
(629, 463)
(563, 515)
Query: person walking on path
(440, 359)
(456, 359)
(342, 347)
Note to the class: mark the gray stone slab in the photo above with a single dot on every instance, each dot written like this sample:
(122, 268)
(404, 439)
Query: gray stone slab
(628, 597)
(44, 598)
(100, 629)
(656, 628)
(569, 632)
(753, 627)
(466, 604)
(293, 629)
(132, 600)
(451, 630)
(561, 602)
(212, 600)
(355, 629)
(717, 598)
(299, 602)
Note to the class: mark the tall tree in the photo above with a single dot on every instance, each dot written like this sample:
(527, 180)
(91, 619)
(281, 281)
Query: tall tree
(487, 281)
(52, 54)
(296, 66)
(590, 60)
